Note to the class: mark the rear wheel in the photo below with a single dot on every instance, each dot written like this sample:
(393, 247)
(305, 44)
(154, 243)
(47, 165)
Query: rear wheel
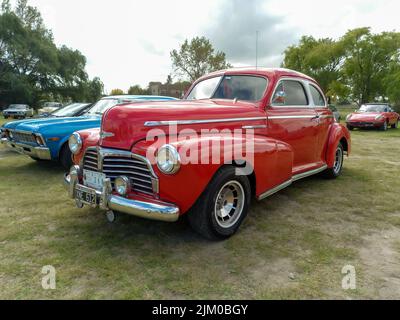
(66, 157)
(220, 210)
(336, 170)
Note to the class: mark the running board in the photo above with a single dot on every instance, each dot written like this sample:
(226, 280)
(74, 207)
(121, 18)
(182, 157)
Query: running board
(289, 182)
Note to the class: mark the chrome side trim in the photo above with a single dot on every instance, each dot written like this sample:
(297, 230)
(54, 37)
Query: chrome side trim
(291, 117)
(309, 173)
(261, 126)
(186, 122)
(289, 182)
(275, 190)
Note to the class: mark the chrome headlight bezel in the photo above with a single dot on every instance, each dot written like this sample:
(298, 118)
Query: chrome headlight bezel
(75, 143)
(168, 159)
(122, 185)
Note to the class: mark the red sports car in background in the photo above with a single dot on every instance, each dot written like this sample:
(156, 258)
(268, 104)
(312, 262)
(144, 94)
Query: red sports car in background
(373, 115)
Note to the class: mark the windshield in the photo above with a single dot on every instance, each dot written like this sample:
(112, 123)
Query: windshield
(373, 108)
(103, 105)
(69, 110)
(17, 106)
(247, 88)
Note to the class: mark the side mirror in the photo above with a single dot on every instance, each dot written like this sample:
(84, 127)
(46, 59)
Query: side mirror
(279, 97)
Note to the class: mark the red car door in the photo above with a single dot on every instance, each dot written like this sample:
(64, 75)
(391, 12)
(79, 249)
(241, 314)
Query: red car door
(292, 119)
(325, 120)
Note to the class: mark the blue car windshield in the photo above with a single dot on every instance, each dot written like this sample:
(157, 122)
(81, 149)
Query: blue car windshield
(69, 110)
(102, 105)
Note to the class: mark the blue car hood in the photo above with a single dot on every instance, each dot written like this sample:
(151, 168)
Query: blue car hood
(54, 124)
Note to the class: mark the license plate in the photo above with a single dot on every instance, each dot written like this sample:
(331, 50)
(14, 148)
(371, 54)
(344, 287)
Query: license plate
(86, 195)
(93, 179)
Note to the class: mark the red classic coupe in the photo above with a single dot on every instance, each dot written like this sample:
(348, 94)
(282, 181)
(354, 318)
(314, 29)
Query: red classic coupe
(373, 115)
(237, 134)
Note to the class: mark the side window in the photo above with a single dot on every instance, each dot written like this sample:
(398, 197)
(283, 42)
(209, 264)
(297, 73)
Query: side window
(290, 93)
(317, 97)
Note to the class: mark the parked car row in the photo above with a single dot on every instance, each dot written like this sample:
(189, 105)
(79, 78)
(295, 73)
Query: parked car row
(164, 159)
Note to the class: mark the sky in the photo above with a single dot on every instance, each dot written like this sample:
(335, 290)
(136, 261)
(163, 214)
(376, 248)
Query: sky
(128, 42)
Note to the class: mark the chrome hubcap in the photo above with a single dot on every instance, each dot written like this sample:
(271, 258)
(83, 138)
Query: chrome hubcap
(338, 160)
(229, 205)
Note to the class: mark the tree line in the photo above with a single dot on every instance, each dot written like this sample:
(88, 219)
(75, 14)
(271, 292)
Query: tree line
(359, 67)
(33, 68)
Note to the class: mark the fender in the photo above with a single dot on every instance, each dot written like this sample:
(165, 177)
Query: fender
(186, 186)
(90, 138)
(338, 133)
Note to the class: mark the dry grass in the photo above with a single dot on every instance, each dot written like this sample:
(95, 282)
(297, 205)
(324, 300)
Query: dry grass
(293, 245)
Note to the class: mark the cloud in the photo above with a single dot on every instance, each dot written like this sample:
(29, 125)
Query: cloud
(233, 31)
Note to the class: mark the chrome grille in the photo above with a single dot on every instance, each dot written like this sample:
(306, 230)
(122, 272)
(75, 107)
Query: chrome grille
(132, 167)
(23, 137)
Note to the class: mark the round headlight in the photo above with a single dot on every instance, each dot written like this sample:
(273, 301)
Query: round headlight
(122, 185)
(75, 143)
(168, 159)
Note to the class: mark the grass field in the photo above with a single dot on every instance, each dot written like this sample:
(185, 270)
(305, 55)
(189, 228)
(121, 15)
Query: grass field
(293, 244)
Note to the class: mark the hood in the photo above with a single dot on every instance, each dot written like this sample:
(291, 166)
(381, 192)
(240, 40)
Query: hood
(366, 116)
(44, 124)
(124, 124)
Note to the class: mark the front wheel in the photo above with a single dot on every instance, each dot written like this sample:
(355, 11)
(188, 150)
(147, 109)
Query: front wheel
(220, 210)
(336, 170)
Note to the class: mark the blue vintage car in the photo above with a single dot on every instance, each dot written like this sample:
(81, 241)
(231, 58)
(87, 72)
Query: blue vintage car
(47, 139)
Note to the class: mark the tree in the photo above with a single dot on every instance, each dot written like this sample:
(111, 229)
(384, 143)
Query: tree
(368, 60)
(320, 59)
(197, 58)
(32, 67)
(138, 90)
(116, 92)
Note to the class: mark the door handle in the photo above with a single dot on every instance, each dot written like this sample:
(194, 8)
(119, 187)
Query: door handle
(317, 117)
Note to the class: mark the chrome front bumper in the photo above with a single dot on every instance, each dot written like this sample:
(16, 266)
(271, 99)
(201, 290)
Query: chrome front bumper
(35, 152)
(107, 201)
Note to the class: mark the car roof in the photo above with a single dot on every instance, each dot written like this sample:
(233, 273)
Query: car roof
(269, 72)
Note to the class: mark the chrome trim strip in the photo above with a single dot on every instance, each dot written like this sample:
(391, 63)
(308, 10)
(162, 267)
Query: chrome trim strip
(261, 126)
(309, 173)
(186, 122)
(275, 190)
(290, 181)
(291, 117)
(149, 210)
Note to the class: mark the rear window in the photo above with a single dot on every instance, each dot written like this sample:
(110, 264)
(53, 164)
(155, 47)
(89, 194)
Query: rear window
(319, 100)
